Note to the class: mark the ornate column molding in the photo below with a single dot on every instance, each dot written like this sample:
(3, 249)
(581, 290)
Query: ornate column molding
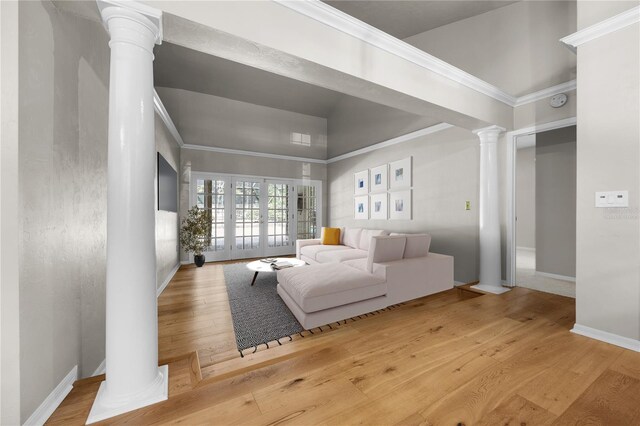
(490, 250)
(133, 378)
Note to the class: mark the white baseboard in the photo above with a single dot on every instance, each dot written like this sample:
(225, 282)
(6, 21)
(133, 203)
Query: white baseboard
(556, 276)
(55, 398)
(526, 248)
(186, 262)
(167, 280)
(102, 368)
(605, 336)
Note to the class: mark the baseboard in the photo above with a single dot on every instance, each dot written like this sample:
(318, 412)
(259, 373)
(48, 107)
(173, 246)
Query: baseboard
(186, 262)
(167, 280)
(526, 248)
(102, 368)
(55, 398)
(605, 336)
(556, 276)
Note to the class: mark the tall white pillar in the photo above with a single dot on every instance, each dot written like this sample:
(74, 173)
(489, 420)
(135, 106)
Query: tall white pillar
(490, 252)
(133, 378)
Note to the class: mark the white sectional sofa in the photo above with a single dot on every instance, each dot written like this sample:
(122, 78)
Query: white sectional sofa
(369, 270)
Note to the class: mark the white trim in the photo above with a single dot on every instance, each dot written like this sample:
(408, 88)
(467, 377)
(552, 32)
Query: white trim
(556, 276)
(186, 262)
(167, 280)
(615, 23)
(526, 248)
(511, 188)
(253, 153)
(394, 141)
(102, 368)
(55, 398)
(546, 93)
(164, 115)
(605, 336)
(341, 21)
(493, 289)
(151, 13)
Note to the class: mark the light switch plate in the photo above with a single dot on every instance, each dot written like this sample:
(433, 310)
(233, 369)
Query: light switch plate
(612, 199)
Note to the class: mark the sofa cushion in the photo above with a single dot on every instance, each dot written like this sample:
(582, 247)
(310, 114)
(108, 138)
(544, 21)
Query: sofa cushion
(385, 249)
(366, 235)
(312, 251)
(352, 237)
(330, 236)
(417, 245)
(339, 256)
(319, 287)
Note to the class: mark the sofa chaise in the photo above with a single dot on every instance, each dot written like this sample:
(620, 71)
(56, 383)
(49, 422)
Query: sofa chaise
(369, 270)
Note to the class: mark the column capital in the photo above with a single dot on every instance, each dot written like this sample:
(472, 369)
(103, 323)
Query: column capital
(133, 12)
(489, 131)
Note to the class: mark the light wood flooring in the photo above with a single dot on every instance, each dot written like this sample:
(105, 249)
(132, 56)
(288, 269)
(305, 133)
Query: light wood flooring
(455, 358)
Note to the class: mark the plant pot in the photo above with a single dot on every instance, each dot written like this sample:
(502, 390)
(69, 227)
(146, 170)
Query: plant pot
(198, 259)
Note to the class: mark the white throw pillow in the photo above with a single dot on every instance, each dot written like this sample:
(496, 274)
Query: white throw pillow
(352, 237)
(417, 245)
(366, 235)
(385, 249)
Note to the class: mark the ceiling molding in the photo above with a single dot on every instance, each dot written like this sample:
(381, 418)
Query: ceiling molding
(394, 141)
(546, 93)
(164, 115)
(602, 28)
(253, 153)
(341, 21)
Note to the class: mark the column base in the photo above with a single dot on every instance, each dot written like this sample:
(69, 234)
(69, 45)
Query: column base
(158, 392)
(493, 289)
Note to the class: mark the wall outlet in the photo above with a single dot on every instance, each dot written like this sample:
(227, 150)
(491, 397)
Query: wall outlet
(467, 205)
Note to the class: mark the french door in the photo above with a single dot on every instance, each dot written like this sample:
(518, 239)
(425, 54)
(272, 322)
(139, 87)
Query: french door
(255, 216)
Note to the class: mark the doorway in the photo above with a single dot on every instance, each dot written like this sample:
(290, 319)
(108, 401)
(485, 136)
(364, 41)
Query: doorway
(253, 216)
(545, 194)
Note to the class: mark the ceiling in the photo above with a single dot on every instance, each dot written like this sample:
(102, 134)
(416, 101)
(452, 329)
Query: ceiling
(178, 67)
(403, 19)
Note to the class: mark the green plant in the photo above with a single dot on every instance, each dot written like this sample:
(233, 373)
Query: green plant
(193, 231)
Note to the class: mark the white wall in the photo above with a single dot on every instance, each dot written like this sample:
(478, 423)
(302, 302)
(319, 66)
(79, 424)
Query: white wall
(526, 197)
(64, 75)
(445, 175)
(608, 154)
(167, 248)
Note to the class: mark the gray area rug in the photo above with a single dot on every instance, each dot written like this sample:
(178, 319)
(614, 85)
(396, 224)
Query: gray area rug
(259, 314)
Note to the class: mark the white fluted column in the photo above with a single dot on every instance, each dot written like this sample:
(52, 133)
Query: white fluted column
(490, 252)
(133, 378)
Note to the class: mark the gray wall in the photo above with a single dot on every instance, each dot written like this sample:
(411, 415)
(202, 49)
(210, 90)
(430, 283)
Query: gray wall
(214, 162)
(608, 240)
(167, 249)
(214, 121)
(526, 197)
(556, 201)
(355, 124)
(445, 175)
(514, 47)
(64, 63)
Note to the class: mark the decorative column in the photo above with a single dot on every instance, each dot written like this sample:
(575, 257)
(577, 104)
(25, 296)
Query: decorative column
(133, 378)
(490, 252)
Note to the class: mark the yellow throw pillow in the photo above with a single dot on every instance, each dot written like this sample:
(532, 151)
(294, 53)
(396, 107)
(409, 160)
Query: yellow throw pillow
(330, 236)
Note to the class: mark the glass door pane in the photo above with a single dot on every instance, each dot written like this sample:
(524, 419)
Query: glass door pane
(278, 230)
(248, 218)
(210, 197)
(307, 206)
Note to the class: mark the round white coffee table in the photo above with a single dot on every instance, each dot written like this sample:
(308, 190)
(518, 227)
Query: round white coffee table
(260, 266)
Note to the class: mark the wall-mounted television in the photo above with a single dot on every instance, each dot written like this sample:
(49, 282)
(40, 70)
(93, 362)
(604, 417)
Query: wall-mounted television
(167, 186)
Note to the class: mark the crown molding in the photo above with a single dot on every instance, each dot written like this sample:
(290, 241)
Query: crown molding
(546, 93)
(341, 21)
(394, 141)
(164, 115)
(253, 153)
(602, 28)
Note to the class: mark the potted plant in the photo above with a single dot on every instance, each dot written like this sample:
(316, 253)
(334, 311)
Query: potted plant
(193, 234)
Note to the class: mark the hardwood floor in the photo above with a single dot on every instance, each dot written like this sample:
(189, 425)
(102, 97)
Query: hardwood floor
(447, 359)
